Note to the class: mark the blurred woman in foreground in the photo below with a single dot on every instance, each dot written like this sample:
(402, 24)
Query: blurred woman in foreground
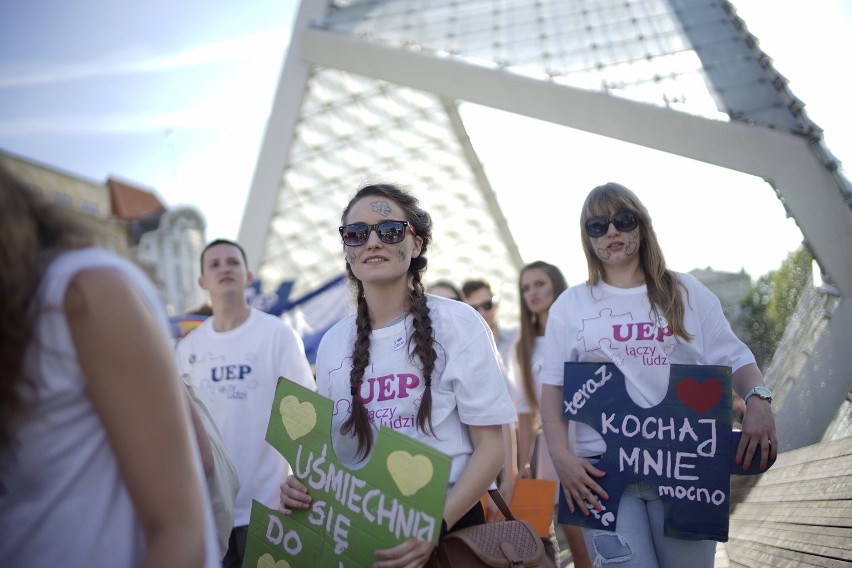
(97, 461)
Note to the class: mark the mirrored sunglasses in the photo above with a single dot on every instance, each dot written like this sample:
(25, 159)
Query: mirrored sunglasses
(389, 232)
(623, 221)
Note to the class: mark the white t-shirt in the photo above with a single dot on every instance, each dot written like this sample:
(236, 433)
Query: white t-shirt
(544, 465)
(617, 325)
(63, 501)
(235, 374)
(505, 341)
(468, 387)
(519, 393)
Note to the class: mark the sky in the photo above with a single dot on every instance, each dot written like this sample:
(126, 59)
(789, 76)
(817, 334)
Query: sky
(174, 96)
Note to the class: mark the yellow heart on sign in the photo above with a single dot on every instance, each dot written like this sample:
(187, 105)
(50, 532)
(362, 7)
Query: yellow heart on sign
(266, 561)
(410, 473)
(299, 418)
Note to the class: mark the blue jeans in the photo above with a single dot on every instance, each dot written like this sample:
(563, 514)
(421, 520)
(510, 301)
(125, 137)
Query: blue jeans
(638, 540)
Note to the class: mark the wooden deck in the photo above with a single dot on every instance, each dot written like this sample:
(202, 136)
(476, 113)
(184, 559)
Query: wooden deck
(799, 513)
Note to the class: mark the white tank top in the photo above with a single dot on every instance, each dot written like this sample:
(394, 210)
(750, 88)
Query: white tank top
(62, 499)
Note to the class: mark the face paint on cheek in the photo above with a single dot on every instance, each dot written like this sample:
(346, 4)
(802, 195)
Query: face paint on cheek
(633, 244)
(350, 255)
(603, 253)
(401, 256)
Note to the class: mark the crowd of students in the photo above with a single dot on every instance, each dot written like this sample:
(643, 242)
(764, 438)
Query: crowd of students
(98, 432)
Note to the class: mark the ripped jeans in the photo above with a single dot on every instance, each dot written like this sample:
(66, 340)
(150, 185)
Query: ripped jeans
(639, 542)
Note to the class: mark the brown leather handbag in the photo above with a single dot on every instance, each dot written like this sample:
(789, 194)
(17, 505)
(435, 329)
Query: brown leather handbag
(509, 543)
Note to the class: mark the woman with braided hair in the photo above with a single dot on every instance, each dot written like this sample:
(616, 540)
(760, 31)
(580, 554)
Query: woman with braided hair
(423, 365)
(631, 287)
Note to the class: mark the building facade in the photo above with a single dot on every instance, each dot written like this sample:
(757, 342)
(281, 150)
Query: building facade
(165, 243)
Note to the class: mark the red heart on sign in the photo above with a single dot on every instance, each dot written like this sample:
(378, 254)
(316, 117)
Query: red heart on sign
(700, 397)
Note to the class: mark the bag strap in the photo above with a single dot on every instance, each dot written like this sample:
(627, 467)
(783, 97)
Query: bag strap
(501, 504)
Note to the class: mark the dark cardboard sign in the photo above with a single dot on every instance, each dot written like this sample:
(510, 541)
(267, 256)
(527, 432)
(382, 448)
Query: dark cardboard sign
(684, 446)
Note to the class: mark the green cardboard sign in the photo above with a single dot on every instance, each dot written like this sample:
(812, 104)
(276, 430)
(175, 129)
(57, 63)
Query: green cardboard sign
(398, 494)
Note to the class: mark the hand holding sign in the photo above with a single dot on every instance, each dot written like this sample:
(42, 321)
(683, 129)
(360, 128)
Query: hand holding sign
(398, 495)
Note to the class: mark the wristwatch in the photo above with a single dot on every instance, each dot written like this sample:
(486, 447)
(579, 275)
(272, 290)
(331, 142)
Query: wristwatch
(759, 392)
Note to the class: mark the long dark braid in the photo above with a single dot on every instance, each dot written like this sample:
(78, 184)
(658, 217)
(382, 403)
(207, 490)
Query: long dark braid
(358, 424)
(424, 344)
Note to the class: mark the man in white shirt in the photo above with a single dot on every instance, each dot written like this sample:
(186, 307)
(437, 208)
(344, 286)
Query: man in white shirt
(233, 361)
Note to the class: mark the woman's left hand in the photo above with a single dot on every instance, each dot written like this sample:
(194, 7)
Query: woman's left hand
(413, 553)
(758, 432)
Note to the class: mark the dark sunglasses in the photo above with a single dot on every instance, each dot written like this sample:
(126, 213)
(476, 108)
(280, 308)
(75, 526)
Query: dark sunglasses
(624, 221)
(389, 232)
(485, 306)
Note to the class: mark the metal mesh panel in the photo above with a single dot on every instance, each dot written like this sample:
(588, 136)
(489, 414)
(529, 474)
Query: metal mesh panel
(353, 130)
(695, 57)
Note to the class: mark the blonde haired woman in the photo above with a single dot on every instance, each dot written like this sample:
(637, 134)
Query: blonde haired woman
(628, 275)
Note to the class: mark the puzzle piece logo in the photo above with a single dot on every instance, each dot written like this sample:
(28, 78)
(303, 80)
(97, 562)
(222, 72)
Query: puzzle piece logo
(217, 378)
(397, 494)
(596, 331)
(684, 446)
(626, 341)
